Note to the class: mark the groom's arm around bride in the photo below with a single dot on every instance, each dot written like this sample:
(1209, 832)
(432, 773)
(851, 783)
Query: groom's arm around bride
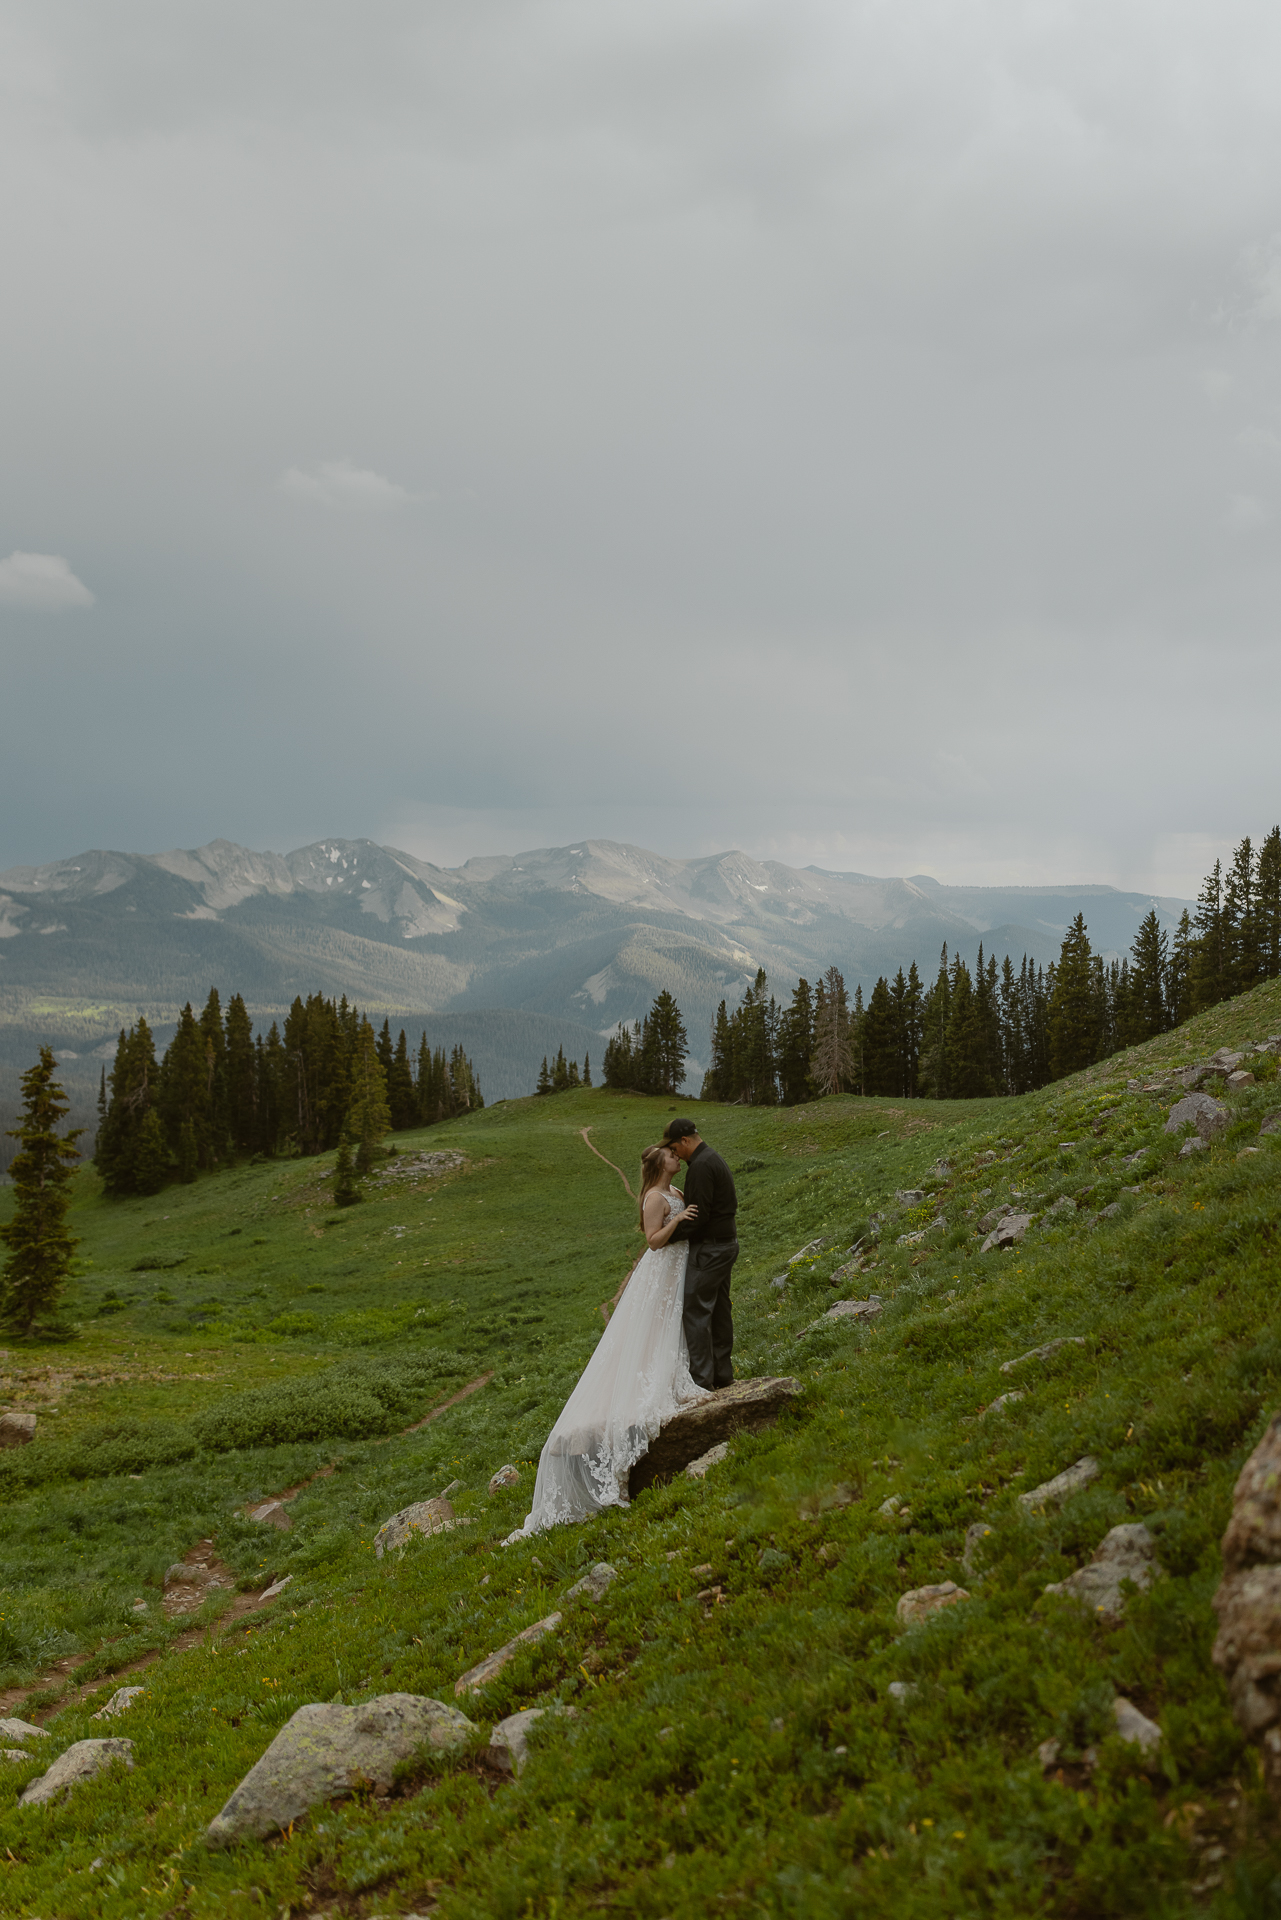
(713, 1238)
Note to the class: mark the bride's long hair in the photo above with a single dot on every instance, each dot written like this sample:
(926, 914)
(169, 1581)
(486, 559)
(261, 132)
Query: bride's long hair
(653, 1174)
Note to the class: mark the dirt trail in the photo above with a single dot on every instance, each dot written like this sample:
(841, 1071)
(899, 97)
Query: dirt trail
(609, 1163)
(188, 1596)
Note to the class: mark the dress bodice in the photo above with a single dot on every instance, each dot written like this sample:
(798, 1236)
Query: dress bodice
(674, 1201)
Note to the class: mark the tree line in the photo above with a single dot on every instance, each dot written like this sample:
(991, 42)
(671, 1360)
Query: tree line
(221, 1093)
(1002, 1030)
(563, 1074)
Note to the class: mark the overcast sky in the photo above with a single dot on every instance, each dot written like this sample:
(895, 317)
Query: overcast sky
(846, 431)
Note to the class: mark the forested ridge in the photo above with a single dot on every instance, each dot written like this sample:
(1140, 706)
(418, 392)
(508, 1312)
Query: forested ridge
(222, 1093)
(998, 1030)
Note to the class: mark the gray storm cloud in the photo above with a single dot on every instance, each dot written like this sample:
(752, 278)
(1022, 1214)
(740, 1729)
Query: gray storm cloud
(843, 431)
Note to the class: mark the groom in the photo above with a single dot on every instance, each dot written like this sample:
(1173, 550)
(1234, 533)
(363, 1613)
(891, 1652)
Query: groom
(713, 1238)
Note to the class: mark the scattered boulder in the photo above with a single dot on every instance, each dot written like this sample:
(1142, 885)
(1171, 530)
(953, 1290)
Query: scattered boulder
(855, 1309)
(1005, 1400)
(508, 1749)
(273, 1513)
(1248, 1603)
(1008, 1233)
(79, 1763)
(992, 1219)
(120, 1702)
(1135, 1727)
(21, 1730)
(424, 1517)
(1046, 1352)
(921, 1602)
(698, 1469)
(1132, 1159)
(595, 1584)
(984, 1159)
(910, 1197)
(505, 1477)
(324, 1752)
(1235, 1081)
(1109, 1212)
(808, 1251)
(1070, 1481)
(1209, 1117)
(779, 1282)
(1273, 1123)
(1189, 1147)
(1226, 1058)
(192, 1573)
(277, 1586)
(975, 1535)
(1125, 1553)
(746, 1406)
(13, 1753)
(17, 1429)
(484, 1671)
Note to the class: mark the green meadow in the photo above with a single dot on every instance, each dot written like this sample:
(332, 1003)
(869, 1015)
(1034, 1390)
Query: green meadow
(240, 1336)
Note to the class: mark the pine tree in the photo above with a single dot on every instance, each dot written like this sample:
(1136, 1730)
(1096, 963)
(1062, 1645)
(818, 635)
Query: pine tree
(669, 1045)
(122, 1155)
(369, 1118)
(544, 1078)
(967, 1038)
(1146, 1011)
(1209, 982)
(41, 1246)
(184, 1097)
(560, 1072)
(574, 1080)
(1268, 906)
(719, 1078)
(587, 1069)
(1178, 987)
(1240, 920)
(401, 1100)
(935, 1016)
(833, 1060)
(880, 1044)
(241, 1079)
(1074, 1011)
(795, 1046)
(216, 1145)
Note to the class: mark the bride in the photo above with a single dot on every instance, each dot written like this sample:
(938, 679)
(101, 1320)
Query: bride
(637, 1378)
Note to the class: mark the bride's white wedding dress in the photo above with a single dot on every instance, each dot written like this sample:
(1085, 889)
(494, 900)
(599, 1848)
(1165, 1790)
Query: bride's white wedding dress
(635, 1381)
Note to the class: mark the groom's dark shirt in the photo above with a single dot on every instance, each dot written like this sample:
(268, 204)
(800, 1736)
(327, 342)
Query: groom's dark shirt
(709, 1186)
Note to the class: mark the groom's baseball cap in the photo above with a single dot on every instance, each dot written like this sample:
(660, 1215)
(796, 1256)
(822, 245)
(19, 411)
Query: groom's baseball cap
(678, 1130)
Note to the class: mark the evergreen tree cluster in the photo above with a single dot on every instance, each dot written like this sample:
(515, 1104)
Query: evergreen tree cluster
(1002, 1031)
(222, 1093)
(40, 1243)
(563, 1074)
(650, 1055)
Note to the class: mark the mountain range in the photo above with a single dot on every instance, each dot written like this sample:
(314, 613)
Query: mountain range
(509, 954)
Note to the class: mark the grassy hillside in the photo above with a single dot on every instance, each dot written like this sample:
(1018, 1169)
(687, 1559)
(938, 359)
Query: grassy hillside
(241, 1335)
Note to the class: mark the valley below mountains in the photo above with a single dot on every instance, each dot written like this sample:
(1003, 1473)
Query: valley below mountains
(510, 955)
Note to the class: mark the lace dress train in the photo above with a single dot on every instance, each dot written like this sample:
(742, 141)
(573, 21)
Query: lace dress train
(637, 1378)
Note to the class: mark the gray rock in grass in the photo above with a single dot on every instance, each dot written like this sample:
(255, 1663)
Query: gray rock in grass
(120, 1702)
(855, 1309)
(17, 1429)
(1008, 1233)
(1209, 1117)
(486, 1670)
(324, 1752)
(508, 1749)
(1273, 1123)
(1046, 1352)
(1005, 1400)
(595, 1584)
(1135, 1728)
(22, 1730)
(425, 1517)
(79, 1763)
(1189, 1147)
(1125, 1553)
(1070, 1481)
(272, 1513)
(1236, 1081)
(507, 1476)
(699, 1469)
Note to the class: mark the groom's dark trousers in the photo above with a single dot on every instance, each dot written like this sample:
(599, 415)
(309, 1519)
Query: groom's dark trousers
(708, 1318)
